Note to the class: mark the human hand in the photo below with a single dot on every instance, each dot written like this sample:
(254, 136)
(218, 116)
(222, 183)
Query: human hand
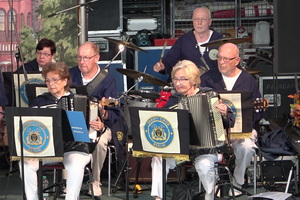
(158, 67)
(222, 107)
(103, 112)
(98, 125)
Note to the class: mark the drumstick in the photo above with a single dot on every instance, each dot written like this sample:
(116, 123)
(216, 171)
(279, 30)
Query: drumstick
(163, 51)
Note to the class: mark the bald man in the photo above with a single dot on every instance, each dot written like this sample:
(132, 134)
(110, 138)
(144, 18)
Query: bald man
(230, 76)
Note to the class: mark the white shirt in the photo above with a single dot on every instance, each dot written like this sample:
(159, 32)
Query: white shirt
(230, 81)
(86, 81)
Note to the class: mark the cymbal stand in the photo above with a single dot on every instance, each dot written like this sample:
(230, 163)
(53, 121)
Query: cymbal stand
(121, 49)
(140, 79)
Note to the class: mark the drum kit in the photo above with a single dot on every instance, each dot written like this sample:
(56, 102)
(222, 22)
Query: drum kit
(147, 98)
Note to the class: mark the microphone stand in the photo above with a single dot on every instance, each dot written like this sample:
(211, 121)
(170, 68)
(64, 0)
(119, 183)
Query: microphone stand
(126, 162)
(19, 98)
(71, 8)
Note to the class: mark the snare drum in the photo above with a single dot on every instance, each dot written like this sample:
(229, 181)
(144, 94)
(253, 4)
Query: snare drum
(142, 98)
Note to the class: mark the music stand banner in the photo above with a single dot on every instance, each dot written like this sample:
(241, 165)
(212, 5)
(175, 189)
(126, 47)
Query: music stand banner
(15, 85)
(32, 79)
(240, 103)
(162, 132)
(41, 133)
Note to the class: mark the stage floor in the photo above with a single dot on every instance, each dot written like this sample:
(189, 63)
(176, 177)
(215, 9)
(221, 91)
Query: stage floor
(11, 189)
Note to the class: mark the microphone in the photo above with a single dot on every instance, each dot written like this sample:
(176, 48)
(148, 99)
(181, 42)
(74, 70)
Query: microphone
(167, 88)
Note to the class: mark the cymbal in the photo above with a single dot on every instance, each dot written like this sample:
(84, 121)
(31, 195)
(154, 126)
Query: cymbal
(252, 71)
(126, 44)
(217, 43)
(146, 77)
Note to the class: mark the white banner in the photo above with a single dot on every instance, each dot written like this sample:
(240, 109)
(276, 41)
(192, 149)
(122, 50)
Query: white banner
(37, 136)
(159, 131)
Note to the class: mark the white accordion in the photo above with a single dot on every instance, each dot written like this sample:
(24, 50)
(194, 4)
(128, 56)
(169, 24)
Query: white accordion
(207, 133)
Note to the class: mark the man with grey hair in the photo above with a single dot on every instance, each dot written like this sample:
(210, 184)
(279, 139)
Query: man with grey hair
(188, 46)
(100, 85)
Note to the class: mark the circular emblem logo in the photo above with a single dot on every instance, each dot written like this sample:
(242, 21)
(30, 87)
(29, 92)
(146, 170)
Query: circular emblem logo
(159, 132)
(230, 105)
(23, 88)
(213, 54)
(120, 135)
(35, 136)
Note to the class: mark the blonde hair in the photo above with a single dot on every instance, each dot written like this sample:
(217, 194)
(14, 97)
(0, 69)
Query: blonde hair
(190, 68)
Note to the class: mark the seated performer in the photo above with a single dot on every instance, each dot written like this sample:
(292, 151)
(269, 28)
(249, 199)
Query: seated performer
(230, 76)
(76, 156)
(186, 79)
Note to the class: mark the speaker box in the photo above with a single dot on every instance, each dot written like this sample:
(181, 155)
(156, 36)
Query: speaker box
(276, 170)
(108, 50)
(106, 15)
(286, 37)
(284, 85)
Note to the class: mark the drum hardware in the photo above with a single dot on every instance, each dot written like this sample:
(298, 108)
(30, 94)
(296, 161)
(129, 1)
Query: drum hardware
(146, 77)
(125, 44)
(217, 43)
(252, 71)
(121, 49)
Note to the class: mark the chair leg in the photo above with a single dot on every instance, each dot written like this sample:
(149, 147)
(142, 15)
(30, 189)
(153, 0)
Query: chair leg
(231, 182)
(90, 182)
(255, 171)
(109, 171)
(110, 153)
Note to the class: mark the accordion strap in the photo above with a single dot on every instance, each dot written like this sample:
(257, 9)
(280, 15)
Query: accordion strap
(91, 86)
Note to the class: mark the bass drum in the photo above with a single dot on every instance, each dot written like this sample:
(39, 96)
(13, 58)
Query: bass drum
(138, 98)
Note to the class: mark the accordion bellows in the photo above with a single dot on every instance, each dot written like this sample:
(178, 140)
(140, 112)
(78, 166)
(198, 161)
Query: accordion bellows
(207, 132)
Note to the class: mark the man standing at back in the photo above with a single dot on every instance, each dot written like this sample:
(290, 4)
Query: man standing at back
(45, 52)
(100, 85)
(188, 46)
(230, 76)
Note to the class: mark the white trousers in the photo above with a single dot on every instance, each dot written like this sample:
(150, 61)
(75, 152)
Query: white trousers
(156, 164)
(74, 163)
(243, 150)
(99, 155)
(204, 165)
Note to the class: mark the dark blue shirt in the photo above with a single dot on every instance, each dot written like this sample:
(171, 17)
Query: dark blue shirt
(106, 89)
(185, 48)
(245, 82)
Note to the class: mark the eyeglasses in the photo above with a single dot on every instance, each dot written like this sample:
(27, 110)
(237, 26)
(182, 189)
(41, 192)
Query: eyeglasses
(43, 54)
(201, 19)
(85, 59)
(225, 59)
(180, 80)
(54, 80)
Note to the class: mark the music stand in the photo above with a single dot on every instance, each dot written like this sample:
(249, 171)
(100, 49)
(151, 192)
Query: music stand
(14, 84)
(43, 134)
(34, 90)
(162, 132)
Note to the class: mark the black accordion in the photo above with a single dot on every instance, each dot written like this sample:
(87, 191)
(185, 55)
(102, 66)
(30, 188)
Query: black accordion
(207, 133)
(86, 104)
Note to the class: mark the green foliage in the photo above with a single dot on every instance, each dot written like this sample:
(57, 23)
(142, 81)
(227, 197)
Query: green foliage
(61, 28)
(29, 42)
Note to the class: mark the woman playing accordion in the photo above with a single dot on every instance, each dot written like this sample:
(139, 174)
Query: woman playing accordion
(76, 156)
(186, 79)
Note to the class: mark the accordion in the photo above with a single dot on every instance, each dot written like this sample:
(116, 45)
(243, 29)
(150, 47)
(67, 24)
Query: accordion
(207, 130)
(87, 104)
